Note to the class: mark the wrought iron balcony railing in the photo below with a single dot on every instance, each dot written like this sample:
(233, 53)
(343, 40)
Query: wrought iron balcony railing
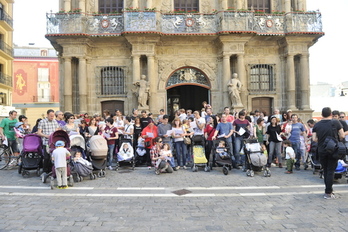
(186, 23)
(5, 79)
(6, 17)
(6, 48)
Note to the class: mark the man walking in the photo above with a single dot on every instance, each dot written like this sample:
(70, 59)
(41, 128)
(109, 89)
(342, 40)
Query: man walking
(321, 130)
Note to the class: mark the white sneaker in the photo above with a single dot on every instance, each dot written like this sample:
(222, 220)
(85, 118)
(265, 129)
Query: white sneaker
(12, 163)
(110, 168)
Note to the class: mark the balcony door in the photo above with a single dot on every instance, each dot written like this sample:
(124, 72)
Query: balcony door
(110, 6)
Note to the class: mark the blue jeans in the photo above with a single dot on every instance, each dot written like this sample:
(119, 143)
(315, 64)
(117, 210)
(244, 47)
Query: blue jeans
(296, 147)
(181, 152)
(111, 149)
(238, 144)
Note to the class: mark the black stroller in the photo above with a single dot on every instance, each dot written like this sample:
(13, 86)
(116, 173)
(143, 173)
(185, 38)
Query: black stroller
(123, 156)
(255, 160)
(221, 161)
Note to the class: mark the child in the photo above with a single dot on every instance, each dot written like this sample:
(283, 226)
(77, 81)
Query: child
(162, 164)
(126, 152)
(264, 150)
(221, 150)
(59, 156)
(290, 156)
(78, 159)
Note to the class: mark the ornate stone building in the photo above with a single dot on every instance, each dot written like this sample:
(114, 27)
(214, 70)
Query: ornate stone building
(187, 50)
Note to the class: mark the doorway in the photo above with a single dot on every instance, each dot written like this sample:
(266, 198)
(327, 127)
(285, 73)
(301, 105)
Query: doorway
(263, 104)
(186, 97)
(112, 106)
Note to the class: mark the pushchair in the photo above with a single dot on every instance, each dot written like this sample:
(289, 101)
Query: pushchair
(79, 170)
(340, 171)
(198, 151)
(221, 161)
(125, 155)
(31, 155)
(97, 154)
(313, 157)
(58, 135)
(140, 151)
(255, 160)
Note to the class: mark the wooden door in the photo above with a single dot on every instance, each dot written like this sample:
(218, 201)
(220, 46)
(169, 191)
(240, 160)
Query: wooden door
(262, 104)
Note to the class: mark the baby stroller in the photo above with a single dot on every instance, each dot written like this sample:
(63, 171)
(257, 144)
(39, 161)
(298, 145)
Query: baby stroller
(31, 155)
(222, 161)
(59, 135)
(198, 151)
(78, 170)
(313, 157)
(255, 160)
(97, 154)
(340, 171)
(125, 155)
(140, 151)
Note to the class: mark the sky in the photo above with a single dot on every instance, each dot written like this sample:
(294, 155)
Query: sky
(327, 56)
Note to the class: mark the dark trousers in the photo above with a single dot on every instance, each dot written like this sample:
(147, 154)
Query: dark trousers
(329, 165)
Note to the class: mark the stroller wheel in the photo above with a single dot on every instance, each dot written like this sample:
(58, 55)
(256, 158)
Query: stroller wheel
(52, 182)
(71, 181)
(306, 167)
(207, 169)
(25, 173)
(225, 170)
(157, 172)
(247, 172)
(265, 173)
(81, 178)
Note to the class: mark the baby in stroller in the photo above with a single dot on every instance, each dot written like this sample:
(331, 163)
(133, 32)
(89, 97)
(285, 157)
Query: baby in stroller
(126, 152)
(221, 150)
(82, 167)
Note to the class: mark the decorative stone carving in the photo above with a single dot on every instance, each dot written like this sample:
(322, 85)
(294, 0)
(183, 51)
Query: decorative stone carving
(142, 91)
(234, 87)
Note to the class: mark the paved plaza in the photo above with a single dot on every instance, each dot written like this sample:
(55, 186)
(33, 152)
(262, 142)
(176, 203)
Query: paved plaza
(139, 200)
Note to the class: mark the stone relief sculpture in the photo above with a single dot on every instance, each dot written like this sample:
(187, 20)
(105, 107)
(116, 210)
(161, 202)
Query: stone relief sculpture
(142, 91)
(234, 86)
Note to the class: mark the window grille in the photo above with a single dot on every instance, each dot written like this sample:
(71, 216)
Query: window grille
(186, 5)
(260, 5)
(110, 6)
(112, 80)
(261, 78)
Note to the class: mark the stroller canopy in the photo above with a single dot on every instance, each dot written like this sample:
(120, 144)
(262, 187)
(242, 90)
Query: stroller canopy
(56, 136)
(32, 143)
(77, 140)
(98, 146)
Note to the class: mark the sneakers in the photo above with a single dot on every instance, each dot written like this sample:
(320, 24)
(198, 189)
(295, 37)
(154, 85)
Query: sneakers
(13, 163)
(110, 168)
(329, 196)
(184, 167)
(178, 167)
(280, 165)
(174, 168)
(63, 187)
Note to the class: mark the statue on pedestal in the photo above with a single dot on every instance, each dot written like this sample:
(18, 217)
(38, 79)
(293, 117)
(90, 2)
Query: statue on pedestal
(142, 91)
(234, 86)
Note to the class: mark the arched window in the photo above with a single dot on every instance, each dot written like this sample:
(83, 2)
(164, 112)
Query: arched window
(186, 5)
(110, 6)
(261, 78)
(112, 80)
(261, 5)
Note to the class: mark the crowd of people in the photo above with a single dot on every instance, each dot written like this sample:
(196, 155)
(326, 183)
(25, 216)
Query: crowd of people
(168, 144)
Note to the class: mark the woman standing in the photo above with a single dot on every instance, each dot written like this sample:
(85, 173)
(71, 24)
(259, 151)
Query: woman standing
(93, 127)
(136, 131)
(208, 134)
(180, 147)
(71, 127)
(259, 130)
(189, 133)
(274, 141)
(149, 133)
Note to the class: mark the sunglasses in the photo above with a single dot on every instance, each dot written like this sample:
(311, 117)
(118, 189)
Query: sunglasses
(342, 116)
(71, 118)
(160, 141)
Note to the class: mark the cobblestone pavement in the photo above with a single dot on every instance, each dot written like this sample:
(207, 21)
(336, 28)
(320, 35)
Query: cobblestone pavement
(139, 200)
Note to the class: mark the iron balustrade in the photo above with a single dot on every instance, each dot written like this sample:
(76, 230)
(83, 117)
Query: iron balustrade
(6, 48)
(6, 17)
(184, 23)
(5, 79)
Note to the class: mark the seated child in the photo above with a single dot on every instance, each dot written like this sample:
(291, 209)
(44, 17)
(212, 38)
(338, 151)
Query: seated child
(221, 150)
(126, 152)
(78, 159)
(59, 156)
(165, 157)
(290, 156)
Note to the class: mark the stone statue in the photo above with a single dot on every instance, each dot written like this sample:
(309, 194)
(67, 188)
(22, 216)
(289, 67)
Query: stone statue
(234, 87)
(142, 91)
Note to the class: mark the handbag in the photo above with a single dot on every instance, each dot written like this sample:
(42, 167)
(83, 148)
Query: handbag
(187, 140)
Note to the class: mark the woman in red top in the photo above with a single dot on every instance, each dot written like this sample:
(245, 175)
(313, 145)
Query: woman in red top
(209, 131)
(149, 133)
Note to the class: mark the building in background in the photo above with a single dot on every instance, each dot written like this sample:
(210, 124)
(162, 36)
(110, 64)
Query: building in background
(36, 81)
(154, 54)
(6, 57)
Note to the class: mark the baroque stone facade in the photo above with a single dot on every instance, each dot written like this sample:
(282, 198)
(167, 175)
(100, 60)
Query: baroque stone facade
(187, 57)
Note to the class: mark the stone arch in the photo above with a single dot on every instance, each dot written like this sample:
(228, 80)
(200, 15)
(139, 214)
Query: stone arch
(188, 76)
(168, 67)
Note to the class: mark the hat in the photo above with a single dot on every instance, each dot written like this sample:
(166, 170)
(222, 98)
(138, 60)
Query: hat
(289, 110)
(165, 116)
(18, 124)
(59, 143)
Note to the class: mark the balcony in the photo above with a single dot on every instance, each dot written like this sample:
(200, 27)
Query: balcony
(6, 21)
(224, 22)
(7, 49)
(5, 79)
(44, 99)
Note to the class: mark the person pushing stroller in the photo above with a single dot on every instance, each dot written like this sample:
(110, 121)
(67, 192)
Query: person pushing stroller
(59, 156)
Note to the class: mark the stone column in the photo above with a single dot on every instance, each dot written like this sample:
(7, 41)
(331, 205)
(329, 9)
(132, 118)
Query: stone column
(240, 4)
(224, 5)
(242, 77)
(67, 85)
(82, 5)
(149, 4)
(136, 67)
(91, 94)
(226, 78)
(152, 78)
(67, 5)
(83, 84)
(291, 96)
(287, 6)
(305, 82)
